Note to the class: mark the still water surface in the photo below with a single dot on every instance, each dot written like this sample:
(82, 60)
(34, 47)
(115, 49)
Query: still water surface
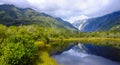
(88, 54)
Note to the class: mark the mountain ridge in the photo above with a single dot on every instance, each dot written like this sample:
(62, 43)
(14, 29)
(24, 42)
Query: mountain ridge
(12, 15)
(103, 23)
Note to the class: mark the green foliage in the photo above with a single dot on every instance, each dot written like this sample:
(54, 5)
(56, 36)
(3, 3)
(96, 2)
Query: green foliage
(18, 43)
(12, 54)
(19, 46)
(107, 34)
(18, 50)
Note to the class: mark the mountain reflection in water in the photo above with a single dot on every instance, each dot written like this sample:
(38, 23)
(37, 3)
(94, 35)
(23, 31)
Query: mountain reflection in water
(80, 55)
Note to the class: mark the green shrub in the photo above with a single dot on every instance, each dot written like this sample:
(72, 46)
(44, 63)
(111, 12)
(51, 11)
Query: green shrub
(18, 50)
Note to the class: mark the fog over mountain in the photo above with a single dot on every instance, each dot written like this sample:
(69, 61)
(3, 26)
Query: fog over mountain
(70, 10)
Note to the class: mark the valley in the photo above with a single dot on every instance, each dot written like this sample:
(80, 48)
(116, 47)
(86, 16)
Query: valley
(28, 37)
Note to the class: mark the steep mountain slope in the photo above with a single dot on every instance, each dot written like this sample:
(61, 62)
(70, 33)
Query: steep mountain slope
(101, 23)
(11, 15)
(66, 23)
(80, 24)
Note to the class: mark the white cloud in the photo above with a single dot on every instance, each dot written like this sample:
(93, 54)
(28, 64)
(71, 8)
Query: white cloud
(1, 3)
(76, 18)
(69, 9)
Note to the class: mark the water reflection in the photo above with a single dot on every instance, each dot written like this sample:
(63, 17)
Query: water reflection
(83, 55)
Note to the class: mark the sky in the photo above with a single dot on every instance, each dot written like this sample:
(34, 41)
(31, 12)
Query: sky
(69, 10)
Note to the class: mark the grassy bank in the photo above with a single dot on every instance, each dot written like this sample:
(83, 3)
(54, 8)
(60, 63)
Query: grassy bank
(89, 39)
(57, 45)
(113, 42)
(45, 59)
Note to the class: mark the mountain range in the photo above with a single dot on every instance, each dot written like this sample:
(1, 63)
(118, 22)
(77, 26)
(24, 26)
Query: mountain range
(12, 15)
(104, 23)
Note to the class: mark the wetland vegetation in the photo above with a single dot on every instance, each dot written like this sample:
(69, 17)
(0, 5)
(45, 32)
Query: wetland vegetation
(31, 44)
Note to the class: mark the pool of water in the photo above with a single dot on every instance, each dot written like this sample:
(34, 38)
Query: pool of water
(87, 55)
